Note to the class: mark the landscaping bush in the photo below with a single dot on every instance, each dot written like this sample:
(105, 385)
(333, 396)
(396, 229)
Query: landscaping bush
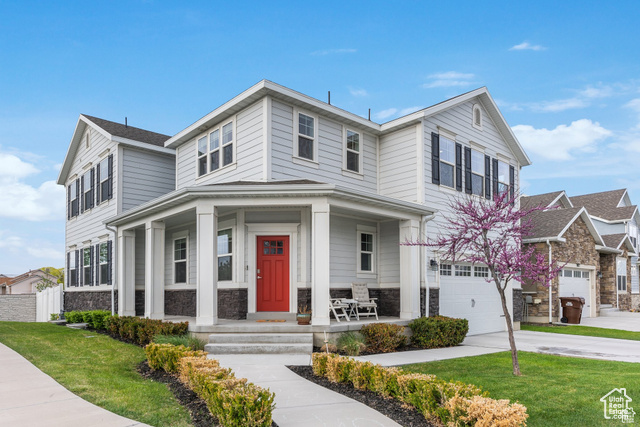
(352, 343)
(439, 331)
(383, 337)
(73, 316)
(94, 319)
(186, 340)
(142, 331)
(449, 403)
(166, 356)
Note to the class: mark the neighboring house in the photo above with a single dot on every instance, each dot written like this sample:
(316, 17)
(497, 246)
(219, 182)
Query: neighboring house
(26, 283)
(109, 168)
(596, 265)
(282, 200)
(4, 281)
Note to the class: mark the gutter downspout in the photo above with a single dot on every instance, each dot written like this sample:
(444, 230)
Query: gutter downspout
(114, 268)
(550, 287)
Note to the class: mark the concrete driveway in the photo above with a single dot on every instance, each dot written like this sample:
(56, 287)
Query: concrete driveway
(616, 320)
(562, 345)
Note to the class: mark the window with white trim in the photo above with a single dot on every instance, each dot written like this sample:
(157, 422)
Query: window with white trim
(86, 267)
(621, 273)
(74, 201)
(225, 254)
(366, 251)
(635, 288)
(87, 186)
(445, 269)
(462, 270)
(215, 150)
(103, 183)
(103, 259)
(306, 144)
(477, 117)
(353, 147)
(477, 173)
(180, 260)
(479, 271)
(503, 177)
(447, 162)
(73, 271)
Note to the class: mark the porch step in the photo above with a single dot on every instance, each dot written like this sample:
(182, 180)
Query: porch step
(292, 343)
(271, 315)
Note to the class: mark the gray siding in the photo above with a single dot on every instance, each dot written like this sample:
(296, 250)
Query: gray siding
(192, 256)
(145, 176)
(389, 258)
(140, 257)
(344, 250)
(330, 152)
(606, 228)
(398, 168)
(249, 153)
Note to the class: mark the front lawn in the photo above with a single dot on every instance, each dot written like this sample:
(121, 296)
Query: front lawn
(97, 368)
(557, 391)
(584, 330)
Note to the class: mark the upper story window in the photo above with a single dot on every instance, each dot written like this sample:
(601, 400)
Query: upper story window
(447, 162)
(180, 260)
(73, 197)
(633, 233)
(104, 173)
(477, 117)
(477, 173)
(215, 150)
(87, 190)
(353, 147)
(87, 271)
(225, 254)
(73, 270)
(305, 144)
(621, 273)
(503, 177)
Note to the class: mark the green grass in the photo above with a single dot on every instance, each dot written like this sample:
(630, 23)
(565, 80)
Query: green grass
(97, 368)
(557, 391)
(584, 330)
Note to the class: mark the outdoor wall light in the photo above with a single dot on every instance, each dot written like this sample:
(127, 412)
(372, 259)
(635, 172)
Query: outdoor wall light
(433, 264)
(599, 274)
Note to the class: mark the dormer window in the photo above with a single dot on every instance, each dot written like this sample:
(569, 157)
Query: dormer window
(477, 117)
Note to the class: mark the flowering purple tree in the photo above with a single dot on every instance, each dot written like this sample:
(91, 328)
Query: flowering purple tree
(490, 232)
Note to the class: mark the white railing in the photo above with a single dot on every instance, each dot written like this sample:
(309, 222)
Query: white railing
(47, 302)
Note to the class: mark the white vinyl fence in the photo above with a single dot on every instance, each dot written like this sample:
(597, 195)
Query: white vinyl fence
(48, 302)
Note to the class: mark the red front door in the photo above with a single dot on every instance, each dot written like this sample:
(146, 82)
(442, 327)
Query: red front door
(272, 276)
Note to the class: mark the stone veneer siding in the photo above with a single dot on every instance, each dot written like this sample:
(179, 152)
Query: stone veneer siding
(90, 300)
(180, 302)
(434, 302)
(518, 305)
(579, 248)
(609, 287)
(388, 299)
(423, 302)
(18, 308)
(233, 303)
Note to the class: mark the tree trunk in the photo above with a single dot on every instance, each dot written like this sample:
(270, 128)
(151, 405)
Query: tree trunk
(512, 341)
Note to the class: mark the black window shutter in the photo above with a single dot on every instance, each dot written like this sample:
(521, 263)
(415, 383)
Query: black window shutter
(435, 158)
(98, 184)
(110, 162)
(512, 183)
(97, 269)
(69, 202)
(93, 187)
(109, 263)
(77, 209)
(81, 201)
(487, 177)
(68, 269)
(459, 167)
(78, 269)
(90, 266)
(495, 176)
(467, 170)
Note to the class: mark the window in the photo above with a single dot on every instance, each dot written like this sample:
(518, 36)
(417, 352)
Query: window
(86, 140)
(73, 271)
(215, 150)
(477, 117)
(225, 254)
(86, 267)
(103, 260)
(366, 251)
(180, 260)
(477, 173)
(480, 271)
(503, 177)
(621, 272)
(585, 275)
(104, 180)
(577, 274)
(447, 161)
(445, 269)
(353, 148)
(567, 273)
(635, 285)
(87, 190)
(306, 146)
(463, 270)
(73, 199)
(633, 233)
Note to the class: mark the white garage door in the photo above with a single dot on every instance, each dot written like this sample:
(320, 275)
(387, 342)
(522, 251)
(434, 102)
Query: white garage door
(474, 299)
(576, 282)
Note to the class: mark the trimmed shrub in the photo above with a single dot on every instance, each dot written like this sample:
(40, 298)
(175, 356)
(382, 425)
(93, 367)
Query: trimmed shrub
(166, 356)
(351, 343)
(383, 337)
(439, 331)
(94, 319)
(141, 331)
(73, 316)
(194, 343)
(441, 402)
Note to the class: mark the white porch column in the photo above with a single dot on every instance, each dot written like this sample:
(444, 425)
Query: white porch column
(409, 270)
(320, 263)
(207, 287)
(127, 273)
(154, 270)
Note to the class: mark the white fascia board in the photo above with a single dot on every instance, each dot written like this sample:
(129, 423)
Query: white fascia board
(559, 197)
(589, 223)
(545, 239)
(607, 250)
(619, 205)
(614, 221)
(143, 145)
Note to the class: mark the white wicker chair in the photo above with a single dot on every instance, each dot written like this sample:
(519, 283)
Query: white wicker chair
(366, 306)
(339, 308)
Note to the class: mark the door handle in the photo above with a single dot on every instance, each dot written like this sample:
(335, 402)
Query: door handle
(259, 277)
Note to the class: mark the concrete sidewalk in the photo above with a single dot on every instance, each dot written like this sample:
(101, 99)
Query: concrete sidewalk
(618, 320)
(29, 397)
(298, 401)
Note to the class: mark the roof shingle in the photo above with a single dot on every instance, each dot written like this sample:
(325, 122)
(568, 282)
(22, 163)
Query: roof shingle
(605, 205)
(530, 202)
(550, 223)
(130, 132)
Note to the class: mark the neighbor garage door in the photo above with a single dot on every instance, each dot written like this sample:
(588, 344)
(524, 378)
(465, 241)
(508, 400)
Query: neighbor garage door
(474, 299)
(576, 282)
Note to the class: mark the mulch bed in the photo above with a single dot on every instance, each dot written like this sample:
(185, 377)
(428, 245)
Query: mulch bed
(397, 411)
(370, 353)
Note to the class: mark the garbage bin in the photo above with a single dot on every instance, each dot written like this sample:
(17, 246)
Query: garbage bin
(572, 309)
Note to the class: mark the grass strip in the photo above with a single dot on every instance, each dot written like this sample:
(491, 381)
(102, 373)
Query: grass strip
(97, 368)
(557, 391)
(584, 330)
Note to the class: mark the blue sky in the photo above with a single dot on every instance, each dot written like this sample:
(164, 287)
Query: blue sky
(566, 76)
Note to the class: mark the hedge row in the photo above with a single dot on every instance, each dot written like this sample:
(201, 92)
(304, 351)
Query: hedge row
(449, 403)
(95, 319)
(233, 401)
(142, 331)
(438, 331)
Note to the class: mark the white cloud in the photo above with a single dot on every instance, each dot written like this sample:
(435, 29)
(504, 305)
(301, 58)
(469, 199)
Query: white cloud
(46, 253)
(527, 46)
(449, 79)
(332, 51)
(559, 105)
(358, 92)
(384, 114)
(11, 167)
(603, 91)
(559, 143)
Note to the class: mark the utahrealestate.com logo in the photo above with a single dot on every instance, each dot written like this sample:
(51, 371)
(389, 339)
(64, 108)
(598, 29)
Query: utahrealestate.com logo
(616, 406)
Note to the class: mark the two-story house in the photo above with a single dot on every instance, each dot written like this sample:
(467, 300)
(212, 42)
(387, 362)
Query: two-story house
(282, 200)
(109, 168)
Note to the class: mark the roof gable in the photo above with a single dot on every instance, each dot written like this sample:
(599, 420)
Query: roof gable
(607, 205)
(553, 224)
